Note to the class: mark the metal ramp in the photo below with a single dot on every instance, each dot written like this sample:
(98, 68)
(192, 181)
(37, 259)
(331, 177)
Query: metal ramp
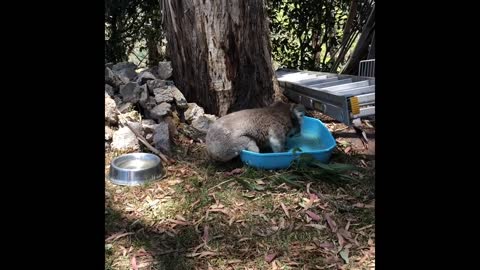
(342, 97)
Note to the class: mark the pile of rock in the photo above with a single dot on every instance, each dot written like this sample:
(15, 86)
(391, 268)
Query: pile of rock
(151, 104)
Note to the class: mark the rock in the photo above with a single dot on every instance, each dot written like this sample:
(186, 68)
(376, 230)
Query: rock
(109, 90)
(124, 139)
(163, 94)
(144, 77)
(118, 100)
(148, 105)
(143, 96)
(131, 92)
(148, 125)
(211, 117)
(153, 84)
(113, 79)
(108, 133)
(125, 107)
(203, 122)
(161, 137)
(109, 76)
(111, 117)
(149, 138)
(160, 110)
(165, 70)
(125, 69)
(179, 98)
(138, 127)
(193, 112)
(192, 132)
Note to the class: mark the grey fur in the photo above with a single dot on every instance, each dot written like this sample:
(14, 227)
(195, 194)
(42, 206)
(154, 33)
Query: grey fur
(253, 130)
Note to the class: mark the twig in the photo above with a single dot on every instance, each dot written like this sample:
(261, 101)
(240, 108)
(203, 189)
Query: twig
(165, 158)
(341, 129)
(226, 181)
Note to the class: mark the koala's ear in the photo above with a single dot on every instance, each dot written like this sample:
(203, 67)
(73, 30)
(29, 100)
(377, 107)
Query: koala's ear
(299, 110)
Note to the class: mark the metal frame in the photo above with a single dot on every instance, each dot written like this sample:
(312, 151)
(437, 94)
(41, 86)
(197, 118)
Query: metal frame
(342, 97)
(366, 68)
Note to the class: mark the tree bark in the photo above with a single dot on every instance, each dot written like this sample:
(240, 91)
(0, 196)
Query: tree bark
(371, 51)
(347, 32)
(221, 53)
(361, 49)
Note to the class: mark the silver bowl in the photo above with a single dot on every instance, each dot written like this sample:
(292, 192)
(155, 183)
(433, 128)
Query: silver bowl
(136, 169)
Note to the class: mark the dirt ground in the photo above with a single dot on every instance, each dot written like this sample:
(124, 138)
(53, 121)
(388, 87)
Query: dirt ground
(229, 216)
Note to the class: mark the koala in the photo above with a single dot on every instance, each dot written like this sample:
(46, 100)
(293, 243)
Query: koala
(254, 130)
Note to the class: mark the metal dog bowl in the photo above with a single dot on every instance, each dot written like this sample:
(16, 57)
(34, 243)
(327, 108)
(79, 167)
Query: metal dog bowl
(136, 169)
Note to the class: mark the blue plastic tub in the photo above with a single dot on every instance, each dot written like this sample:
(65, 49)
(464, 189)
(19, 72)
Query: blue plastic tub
(315, 139)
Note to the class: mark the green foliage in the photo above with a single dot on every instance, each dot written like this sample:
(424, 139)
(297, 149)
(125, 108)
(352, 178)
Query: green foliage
(306, 34)
(310, 168)
(132, 27)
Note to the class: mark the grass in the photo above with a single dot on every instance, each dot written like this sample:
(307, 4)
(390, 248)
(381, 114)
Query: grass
(200, 217)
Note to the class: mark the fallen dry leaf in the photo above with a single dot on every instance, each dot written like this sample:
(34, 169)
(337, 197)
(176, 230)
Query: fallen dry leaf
(274, 265)
(133, 262)
(244, 239)
(347, 149)
(194, 203)
(195, 249)
(239, 203)
(285, 209)
(281, 223)
(180, 217)
(219, 210)
(332, 259)
(230, 222)
(178, 222)
(326, 245)
(217, 206)
(308, 188)
(234, 261)
(312, 215)
(362, 205)
(208, 253)
(201, 254)
(260, 182)
(124, 250)
(309, 247)
(270, 257)
(344, 254)
(346, 234)
(316, 226)
(205, 234)
(331, 223)
(234, 172)
(116, 236)
(341, 240)
(365, 227)
(249, 195)
(307, 203)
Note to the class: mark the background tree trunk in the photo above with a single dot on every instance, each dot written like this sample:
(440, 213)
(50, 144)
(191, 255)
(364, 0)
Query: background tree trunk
(220, 52)
(362, 49)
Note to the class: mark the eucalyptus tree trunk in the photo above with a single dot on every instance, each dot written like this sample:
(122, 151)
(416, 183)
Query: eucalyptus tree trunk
(221, 53)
